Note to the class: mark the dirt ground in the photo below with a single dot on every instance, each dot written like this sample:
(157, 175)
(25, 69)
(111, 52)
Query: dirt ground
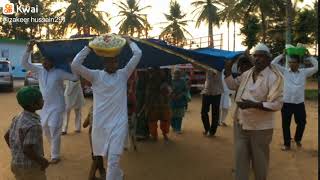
(189, 156)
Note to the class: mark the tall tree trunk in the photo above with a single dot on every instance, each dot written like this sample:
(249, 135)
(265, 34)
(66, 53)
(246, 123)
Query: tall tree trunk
(210, 35)
(39, 30)
(289, 21)
(86, 30)
(79, 30)
(234, 35)
(146, 30)
(31, 33)
(48, 31)
(228, 25)
(264, 26)
(15, 31)
(131, 32)
(289, 25)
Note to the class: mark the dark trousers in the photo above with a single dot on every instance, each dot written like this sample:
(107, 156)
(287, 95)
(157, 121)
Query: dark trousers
(97, 164)
(214, 101)
(299, 112)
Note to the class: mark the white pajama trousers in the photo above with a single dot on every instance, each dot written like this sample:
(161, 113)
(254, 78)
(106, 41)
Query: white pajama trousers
(114, 171)
(223, 115)
(77, 120)
(53, 135)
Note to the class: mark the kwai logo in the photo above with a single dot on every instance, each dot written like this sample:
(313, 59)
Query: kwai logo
(10, 8)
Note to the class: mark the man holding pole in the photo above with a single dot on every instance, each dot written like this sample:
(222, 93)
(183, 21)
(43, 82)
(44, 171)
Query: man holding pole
(51, 87)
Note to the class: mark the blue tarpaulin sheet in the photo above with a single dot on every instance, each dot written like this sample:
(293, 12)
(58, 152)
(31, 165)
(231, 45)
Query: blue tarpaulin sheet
(155, 53)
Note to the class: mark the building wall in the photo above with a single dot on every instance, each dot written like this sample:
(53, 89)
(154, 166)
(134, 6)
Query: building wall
(14, 52)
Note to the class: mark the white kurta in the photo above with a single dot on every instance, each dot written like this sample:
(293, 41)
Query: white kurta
(73, 95)
(225, 101)
(51, 87)
(110, 114)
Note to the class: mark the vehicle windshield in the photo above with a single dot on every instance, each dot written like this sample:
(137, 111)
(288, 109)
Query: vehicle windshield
(4, 67)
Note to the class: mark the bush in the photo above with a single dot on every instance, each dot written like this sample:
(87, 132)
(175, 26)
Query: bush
(311, 94)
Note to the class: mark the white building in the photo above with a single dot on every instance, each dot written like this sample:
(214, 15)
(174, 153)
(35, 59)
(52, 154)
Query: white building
(13, 50)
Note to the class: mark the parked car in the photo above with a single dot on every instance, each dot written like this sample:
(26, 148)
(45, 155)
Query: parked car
(31, 78)
(6, 78)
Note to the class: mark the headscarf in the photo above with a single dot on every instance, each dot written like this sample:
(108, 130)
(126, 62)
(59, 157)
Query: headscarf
(27, 96)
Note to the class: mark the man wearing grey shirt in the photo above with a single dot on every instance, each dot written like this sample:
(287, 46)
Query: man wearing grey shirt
(211, 95)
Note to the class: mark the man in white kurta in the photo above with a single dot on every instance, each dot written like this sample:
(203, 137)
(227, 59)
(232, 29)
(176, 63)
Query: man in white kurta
(110, 113)
(225, 102)
(51, 87)
(74, 100)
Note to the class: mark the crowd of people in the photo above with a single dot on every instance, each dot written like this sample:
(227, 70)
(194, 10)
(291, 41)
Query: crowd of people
(129, 102)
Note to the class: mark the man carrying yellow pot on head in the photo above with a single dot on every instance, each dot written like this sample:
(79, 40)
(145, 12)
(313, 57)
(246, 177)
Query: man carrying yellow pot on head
(110, 113)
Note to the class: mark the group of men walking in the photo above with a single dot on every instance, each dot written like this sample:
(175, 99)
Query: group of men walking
(261, 90)
(262, 87)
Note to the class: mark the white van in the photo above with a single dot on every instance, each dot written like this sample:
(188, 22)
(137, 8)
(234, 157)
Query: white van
(6, 78)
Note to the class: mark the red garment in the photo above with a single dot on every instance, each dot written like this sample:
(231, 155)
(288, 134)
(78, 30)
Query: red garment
(132, 101)
(164, 116)
(153, 128)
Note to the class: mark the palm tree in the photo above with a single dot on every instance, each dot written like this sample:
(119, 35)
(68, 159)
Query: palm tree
(264, 8)
(230, 14)
(175, 30)
(84, 16)
(22, 30)
(207, 11)
(133, 21)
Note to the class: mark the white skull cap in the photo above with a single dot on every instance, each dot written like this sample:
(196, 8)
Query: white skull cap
(261, 47)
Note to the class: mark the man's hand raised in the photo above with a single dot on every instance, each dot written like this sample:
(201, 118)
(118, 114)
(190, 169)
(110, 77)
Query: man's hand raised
(228, 66)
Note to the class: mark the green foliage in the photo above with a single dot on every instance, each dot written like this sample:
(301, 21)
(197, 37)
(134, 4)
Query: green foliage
(261, 20)
(133, 21)
(230, 11)
(207, 11)
(175, 31)
(250, 29)
(263, 9)
(311, 94)
(305, 27)
(84, 16)
(22, 30)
